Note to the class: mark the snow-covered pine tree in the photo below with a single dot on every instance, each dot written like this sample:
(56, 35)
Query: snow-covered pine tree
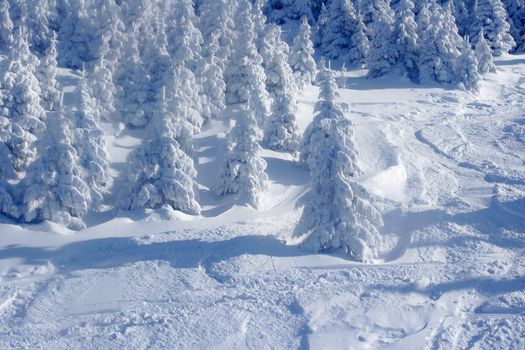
(406, 37)
(284, 11)
(135, 95)
(243, 171)
(483, 54)
(213, 86)
(161, 173)
(54, 189)
(8, 206)
(182, 92)
(47, 77)
(516, 12)
(20, 104)
(301, 56)
(36, 17)
(184, 38)
(491, 16)
(281, 130)
(321, 26)
(216, 18)
(360, 44)
(462, 16)
(338, 211)
(259, 22)
(101, 83)
(337, 34)
(245, 77)
(367, 8)
(382, 53)
(90, 145)
(274, 52)
(467, 68)
(75, 37)
(6, 25)
(440, 44)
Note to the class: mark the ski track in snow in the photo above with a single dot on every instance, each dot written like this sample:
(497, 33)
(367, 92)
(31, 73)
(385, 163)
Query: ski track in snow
(451, 170)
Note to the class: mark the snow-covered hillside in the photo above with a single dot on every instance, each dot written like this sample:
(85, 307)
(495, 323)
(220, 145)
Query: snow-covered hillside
(448, 167)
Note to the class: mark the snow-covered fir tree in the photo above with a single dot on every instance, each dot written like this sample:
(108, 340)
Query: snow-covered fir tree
(338, 212)
(283, 11)
(360, 44)
(243, 171)
(101, 84)
(8, 207)
(54, 188)
(245, 77)
(382, 53)
(301, 57)
(467, 68)
(281, 130)
(406, 37)
(516, 12)
(367, 8)
(76, 37)
(483, 54)
(216, 19)
(275, 54)
(161, 173)
(182, 92)
(321, 26)
(47, 76)
(91, 145)
(336, 41)
(6, 25)
(439, 44)
(184, 38)
(20, 104)
(491, 16)
(462, 16)
(135, 95)
(36, 18)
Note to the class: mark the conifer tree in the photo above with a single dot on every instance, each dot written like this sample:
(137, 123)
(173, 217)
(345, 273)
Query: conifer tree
(483, 54)
(468, 68)
(275, 54)
(440, 44)
(90, 145)
(281, 131)
(516, 12)
(245, 77)
(6, 25)
(491, 16)
(54, 189)
(47, 77)
(382, 53)
(101, 83)
(338, 211)
(20, 103)
(406, 37)
(342, 25)
(301, 56)
(243, 171)
(161, 173)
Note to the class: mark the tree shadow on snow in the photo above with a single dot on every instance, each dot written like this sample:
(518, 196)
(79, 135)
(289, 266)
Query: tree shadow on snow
(116, 252)
(489, 222)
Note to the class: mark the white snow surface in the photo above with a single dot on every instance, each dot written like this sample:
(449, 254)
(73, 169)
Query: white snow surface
(448, 168)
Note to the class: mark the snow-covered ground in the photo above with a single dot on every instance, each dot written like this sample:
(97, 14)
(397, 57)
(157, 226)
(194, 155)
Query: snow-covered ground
(449, 168)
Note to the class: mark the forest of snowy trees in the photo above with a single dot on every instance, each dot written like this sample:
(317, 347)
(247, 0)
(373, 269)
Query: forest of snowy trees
(168, 67)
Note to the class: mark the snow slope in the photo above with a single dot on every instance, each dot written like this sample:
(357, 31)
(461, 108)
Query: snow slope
(449, 168)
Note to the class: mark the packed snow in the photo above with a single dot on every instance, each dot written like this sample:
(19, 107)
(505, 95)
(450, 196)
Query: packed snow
(447, 167)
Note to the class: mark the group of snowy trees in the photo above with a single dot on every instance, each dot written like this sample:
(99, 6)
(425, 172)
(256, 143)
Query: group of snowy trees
(427, 40)
(167, 67)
